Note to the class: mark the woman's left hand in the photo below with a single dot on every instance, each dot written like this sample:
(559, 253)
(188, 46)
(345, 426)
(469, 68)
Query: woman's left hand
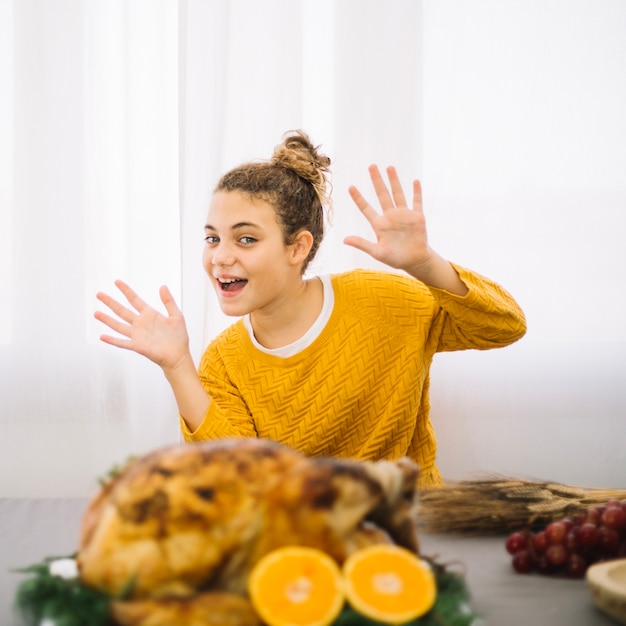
(401, 239)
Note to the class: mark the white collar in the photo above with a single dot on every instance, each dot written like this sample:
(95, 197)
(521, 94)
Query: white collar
(311, 335)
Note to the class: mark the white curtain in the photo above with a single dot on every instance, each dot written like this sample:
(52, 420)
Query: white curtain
(118, 116)
(89, 194)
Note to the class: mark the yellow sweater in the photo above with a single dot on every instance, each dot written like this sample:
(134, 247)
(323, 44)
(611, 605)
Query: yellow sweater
(360, 390)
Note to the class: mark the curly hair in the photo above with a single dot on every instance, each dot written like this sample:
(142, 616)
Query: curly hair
(294, 181)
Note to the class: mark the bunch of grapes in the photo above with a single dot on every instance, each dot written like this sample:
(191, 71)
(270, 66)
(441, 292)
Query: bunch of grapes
(568, 546)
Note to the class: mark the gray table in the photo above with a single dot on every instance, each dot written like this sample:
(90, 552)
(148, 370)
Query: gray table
(33, 529)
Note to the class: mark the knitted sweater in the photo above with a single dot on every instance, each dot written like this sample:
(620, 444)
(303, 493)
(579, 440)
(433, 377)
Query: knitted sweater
(360, 390)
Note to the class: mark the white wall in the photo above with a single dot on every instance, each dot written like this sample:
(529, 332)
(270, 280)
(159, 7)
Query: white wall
(525, 176)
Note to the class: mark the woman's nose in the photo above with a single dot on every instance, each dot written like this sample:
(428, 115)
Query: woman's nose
(222, 254)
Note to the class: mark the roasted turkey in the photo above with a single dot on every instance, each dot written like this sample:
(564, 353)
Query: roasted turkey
(186, 524)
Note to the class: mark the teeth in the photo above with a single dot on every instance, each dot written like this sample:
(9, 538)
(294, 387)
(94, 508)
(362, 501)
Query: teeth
(227, 280)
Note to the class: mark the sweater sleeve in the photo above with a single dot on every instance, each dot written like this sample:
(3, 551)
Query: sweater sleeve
(486, 317)
(227, 415)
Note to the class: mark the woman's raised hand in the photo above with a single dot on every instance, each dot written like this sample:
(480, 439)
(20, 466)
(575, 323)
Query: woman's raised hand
(161, 338)
(401, 240)
(400, 229)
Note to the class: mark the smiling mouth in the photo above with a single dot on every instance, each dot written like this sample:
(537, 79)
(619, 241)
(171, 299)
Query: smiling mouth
(232, 284)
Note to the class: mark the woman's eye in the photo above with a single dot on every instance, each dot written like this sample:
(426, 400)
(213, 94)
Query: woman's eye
(247, 240)
(211, 239)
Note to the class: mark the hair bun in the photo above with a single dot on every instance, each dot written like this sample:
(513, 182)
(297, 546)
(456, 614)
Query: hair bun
(297, 153)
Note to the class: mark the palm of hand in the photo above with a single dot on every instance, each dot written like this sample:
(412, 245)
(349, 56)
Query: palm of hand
(401, 238)
(161, 338)
(158, 337)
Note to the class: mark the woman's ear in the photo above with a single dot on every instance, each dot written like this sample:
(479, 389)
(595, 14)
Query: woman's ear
(301, 247)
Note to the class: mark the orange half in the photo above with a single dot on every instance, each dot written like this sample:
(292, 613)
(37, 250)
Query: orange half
(296, 586)
(389, 584)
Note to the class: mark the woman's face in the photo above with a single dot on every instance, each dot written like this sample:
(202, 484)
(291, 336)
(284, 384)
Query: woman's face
(245, 256)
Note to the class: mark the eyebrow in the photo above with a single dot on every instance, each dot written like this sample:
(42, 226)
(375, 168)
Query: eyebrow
(234, 226)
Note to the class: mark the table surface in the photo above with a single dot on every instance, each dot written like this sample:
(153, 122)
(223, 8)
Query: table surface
(31, 530)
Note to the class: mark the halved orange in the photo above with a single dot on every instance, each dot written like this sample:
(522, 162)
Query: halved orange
(389, 584)
(296, 586)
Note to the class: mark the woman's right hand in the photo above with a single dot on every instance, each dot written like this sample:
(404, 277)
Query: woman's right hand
(161, 338)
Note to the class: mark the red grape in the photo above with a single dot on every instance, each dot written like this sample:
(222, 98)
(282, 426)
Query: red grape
(523, 562)
(593, 515)
(540, 542)
(588, 535)
(556, 554)
(614, 517)
(572, 539)
(608, 541)
(542, 564)
(576, 566)
(515, 542)
(555, 532)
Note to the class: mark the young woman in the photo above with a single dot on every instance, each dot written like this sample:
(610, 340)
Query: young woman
(331, 365)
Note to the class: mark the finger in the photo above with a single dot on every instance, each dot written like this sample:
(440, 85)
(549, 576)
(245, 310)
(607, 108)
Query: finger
(116, 341)
(396, 187)
(113, 324)
(417, 196)
(364, 206)
(119, 309)
(361, 244)
(385, 199)
(133, 299)
(168, 301)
